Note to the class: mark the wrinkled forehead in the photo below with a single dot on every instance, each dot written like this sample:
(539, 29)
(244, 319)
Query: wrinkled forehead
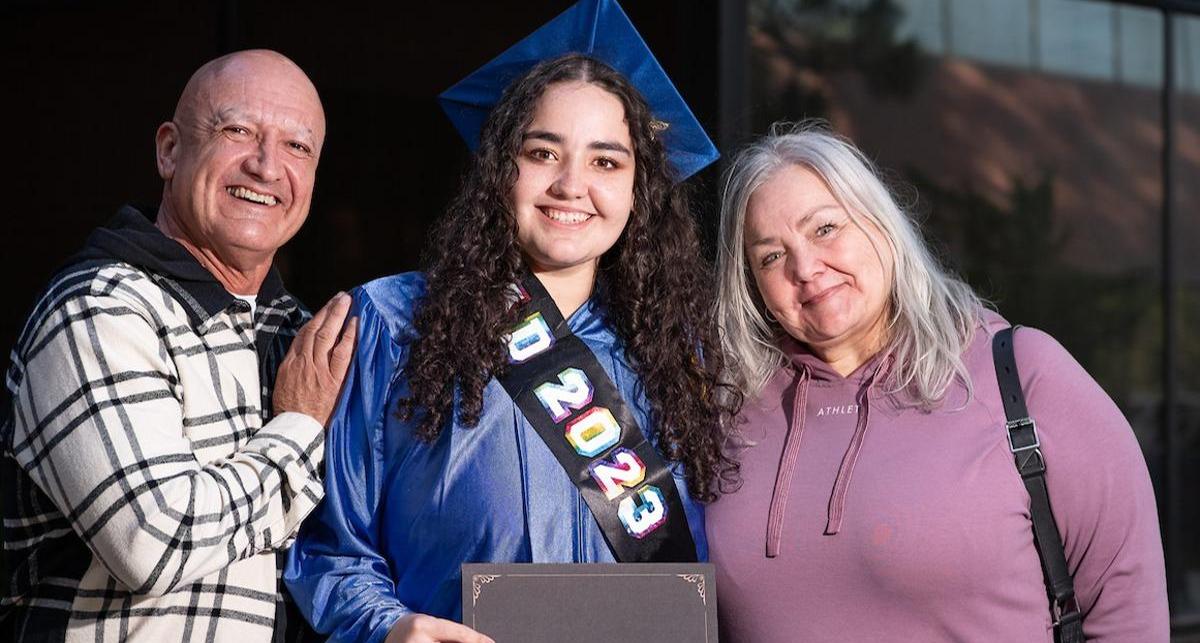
(260, 110)
(258, 87)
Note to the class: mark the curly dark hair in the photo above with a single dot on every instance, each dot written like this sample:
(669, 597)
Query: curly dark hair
(658, 295)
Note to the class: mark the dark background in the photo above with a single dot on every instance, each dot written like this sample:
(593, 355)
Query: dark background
(89, 82)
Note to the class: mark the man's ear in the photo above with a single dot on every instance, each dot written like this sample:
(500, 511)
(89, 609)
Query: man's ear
(166, 149)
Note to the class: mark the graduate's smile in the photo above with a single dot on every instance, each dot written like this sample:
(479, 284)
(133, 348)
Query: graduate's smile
(566, 217)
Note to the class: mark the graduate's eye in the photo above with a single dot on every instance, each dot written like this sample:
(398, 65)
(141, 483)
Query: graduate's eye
(607, 163)
(541, 154)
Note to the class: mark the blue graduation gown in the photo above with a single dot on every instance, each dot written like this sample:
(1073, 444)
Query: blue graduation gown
(401, 515)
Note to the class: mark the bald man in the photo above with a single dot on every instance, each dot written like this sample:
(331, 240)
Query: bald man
(154, 464)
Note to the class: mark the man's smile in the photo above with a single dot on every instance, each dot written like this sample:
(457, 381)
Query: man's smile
(246, 194)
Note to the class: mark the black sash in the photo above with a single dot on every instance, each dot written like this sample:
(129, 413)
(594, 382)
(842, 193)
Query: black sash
(566, 395)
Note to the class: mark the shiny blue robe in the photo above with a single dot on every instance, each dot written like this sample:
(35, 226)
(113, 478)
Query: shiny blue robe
(401, 515)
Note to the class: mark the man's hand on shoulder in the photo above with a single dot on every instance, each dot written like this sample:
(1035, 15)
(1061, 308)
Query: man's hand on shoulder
(311, 373)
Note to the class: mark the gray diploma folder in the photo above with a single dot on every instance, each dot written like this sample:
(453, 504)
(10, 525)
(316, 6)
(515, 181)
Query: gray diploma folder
(590, 603)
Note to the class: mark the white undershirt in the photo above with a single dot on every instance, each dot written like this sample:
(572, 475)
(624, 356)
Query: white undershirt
(249, 299)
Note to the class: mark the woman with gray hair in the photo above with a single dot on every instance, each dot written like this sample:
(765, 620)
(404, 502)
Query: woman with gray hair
(883, 496)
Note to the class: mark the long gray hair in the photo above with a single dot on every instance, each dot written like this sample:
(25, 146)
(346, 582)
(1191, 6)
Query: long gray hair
(931, 313)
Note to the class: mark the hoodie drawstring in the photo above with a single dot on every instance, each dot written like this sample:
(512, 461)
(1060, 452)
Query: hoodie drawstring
(791, 453)
(787, 464)
(837, 499)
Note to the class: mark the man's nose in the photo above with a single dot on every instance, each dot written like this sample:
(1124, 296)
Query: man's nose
(264, 163)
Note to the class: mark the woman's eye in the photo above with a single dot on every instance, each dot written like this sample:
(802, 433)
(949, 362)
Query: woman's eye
(770, 258)
(607, 163)
(825, 229)
(541, 154)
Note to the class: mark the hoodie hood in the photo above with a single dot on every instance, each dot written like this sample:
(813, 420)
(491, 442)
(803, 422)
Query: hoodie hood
(809, 368)
(131, 237)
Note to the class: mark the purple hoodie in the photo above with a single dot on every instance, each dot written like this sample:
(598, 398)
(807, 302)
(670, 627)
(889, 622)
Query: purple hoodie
(861, 519)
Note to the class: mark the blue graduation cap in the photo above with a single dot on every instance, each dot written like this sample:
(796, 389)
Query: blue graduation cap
(598, 28)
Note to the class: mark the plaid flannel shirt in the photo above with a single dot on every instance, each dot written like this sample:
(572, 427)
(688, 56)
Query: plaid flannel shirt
(145, 493)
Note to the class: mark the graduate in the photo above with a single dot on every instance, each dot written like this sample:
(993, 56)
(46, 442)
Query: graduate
(549, 389)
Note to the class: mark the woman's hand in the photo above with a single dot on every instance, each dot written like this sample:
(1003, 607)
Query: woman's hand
(422, 628)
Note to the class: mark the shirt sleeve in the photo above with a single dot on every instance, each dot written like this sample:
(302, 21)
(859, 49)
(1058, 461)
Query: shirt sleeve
(335, 571)
(1101, 495)
(98, 426)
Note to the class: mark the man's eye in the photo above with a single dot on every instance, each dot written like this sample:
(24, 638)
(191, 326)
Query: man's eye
(300, 147)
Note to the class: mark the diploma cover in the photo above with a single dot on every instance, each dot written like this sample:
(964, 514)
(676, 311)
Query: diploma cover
(591, 603)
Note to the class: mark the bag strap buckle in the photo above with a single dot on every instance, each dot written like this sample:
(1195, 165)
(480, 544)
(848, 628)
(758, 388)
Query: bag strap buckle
(1065, 611)
(1022, 435)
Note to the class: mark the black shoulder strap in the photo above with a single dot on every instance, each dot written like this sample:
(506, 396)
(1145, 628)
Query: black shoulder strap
(577, 410)
(1023, 441)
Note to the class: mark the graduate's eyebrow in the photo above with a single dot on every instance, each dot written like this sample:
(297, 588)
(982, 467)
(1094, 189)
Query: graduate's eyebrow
(551, 137)
(542, 135)
(610, 146)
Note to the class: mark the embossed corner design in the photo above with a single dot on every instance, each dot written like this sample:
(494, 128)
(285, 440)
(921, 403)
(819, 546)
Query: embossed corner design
(477, 583)
(698, 581)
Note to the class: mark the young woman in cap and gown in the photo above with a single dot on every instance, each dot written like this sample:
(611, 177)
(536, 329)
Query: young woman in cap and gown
(562, 331)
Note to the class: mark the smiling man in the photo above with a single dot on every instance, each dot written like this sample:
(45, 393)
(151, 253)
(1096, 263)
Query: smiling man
(163, 442)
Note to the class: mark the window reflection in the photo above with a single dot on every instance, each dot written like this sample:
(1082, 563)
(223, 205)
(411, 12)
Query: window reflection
(1186, 196)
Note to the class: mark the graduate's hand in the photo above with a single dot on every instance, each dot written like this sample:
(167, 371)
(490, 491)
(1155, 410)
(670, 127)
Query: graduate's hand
(422, 628)
(310, 375)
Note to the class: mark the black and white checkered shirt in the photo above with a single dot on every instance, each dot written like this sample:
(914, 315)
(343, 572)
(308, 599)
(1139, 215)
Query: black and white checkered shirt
(145, 493)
